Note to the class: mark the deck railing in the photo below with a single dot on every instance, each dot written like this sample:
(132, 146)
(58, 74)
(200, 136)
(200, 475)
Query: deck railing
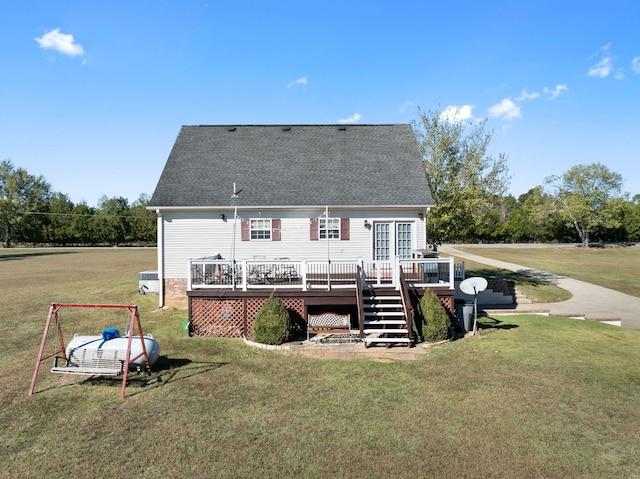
(406, 302)
(205, 273)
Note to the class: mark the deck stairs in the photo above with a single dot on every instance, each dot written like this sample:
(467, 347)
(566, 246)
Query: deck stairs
(384, 318)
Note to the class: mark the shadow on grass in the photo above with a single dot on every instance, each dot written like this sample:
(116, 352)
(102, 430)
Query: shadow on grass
(7, 257)
(527, 276)
(165, 371)
(490, 323)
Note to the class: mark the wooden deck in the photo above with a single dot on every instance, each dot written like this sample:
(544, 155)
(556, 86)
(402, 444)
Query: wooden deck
(230, 313)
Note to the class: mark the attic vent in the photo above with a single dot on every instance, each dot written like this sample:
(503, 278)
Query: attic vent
(342, 128)
(232, 128)
(286, 128)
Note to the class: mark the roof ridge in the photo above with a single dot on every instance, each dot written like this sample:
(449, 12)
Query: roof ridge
(227, 125)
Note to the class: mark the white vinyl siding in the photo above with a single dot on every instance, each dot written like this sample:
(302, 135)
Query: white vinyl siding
(196, 235)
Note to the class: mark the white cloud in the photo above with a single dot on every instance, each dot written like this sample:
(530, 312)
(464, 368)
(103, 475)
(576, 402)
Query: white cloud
(60, 42)
(506, 108)
(557, 91)
(299, 82)
(605, 66)
(525, 95)
(635, 64)
(510, 109)
(602, 69)
(455, 114)
(352, 119)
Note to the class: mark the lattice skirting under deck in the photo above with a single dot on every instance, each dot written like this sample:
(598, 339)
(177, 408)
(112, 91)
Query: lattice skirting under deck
(233, 318)
(448, 304)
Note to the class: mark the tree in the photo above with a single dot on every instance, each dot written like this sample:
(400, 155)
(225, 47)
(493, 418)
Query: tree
(143, 221)
(531, 218)
(22, 196)
(464, 180)
(113, 220)
(631, 219)
(58, 226)
(84, 227)
(585, 196)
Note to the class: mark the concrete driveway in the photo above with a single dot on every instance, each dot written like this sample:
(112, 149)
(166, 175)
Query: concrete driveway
(589, 301)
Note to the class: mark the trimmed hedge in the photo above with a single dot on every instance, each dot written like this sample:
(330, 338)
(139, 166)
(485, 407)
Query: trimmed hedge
(272, 324)
(436, 325)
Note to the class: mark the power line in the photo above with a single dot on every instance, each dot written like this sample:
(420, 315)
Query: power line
(91, 215)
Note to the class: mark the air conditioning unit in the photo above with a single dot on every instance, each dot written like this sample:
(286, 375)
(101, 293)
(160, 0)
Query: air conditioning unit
(148, 282)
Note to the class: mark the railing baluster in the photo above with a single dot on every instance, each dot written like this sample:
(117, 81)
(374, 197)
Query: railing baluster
(303, 274)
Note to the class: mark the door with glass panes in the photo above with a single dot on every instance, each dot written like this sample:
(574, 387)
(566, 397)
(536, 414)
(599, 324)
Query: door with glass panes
(392, 239)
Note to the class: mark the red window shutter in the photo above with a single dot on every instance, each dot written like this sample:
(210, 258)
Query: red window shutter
(245, 228)
(314, 231)
(275, 229)
(344, 228)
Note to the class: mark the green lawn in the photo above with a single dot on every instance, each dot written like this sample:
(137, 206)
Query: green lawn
(612, 267)
(531, 396)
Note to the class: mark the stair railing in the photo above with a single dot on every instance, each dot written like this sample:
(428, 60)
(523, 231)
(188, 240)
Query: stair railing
(360, 299)
(406, 301)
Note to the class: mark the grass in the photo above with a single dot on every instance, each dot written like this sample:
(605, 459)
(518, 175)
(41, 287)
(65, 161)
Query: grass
(535, 289)
(612, 267)
(531, 396)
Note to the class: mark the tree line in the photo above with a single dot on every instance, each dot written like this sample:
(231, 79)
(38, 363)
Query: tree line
(32, 214)
(469, 188)
(584, 204)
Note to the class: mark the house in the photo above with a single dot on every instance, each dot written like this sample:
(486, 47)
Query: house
(317, 213)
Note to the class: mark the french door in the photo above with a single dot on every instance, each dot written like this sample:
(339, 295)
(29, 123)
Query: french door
(391, 239)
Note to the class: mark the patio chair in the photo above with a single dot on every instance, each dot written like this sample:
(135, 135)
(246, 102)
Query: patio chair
(287, 272)
(227, 274)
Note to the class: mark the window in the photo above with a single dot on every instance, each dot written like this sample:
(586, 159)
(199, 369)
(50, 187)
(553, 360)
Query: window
(386, 242)
(403, 240)
(260, 229)
(329, 228)
(382, 241)
(334, 228)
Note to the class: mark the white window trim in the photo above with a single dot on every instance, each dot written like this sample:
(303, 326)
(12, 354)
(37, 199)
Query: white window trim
(265, 230)
(393, 235)
(334, 228)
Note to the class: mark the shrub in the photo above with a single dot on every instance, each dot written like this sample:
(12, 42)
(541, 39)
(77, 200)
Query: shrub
(436, 325)
(272, 324)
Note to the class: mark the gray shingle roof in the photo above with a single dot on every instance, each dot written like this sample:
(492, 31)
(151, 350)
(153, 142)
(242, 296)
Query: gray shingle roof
(297, 165)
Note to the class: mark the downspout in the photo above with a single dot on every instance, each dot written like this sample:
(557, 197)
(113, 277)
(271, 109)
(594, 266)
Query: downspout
(160, 248)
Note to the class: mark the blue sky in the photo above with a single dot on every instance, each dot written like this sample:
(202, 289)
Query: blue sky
(93, 93)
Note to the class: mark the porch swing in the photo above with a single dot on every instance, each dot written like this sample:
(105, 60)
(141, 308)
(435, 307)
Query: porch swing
(109, 354)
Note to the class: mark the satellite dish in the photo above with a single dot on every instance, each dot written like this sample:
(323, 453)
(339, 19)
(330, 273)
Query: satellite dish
(473, 286)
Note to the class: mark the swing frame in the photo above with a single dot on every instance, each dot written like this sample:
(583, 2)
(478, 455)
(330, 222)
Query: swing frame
(60, 351)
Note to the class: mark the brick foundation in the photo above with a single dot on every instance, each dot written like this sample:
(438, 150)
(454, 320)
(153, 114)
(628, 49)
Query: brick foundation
(175, 293)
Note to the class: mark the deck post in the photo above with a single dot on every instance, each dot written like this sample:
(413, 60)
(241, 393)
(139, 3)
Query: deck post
(395, 274)
(303, 268)
(245, 273)
(452, 283)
